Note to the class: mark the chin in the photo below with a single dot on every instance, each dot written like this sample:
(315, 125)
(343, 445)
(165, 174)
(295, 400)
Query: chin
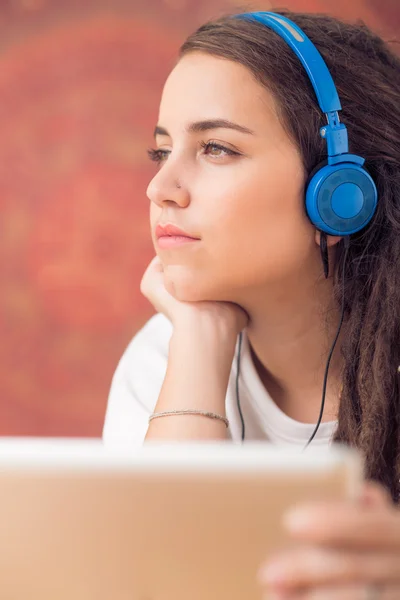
(187, 287)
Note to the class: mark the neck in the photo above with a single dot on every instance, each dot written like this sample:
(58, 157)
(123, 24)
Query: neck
(291, 331)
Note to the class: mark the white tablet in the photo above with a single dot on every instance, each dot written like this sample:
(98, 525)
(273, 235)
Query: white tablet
(165, 522)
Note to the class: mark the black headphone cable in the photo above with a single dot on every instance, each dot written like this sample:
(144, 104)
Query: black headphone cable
(347, 246)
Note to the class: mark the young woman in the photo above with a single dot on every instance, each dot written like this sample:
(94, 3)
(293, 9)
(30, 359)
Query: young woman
(250, 294)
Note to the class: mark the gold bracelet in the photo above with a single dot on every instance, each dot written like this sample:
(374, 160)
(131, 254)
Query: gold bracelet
(190, 411)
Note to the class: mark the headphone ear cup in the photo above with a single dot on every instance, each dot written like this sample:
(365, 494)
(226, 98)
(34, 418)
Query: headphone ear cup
(313, 171)
(340, 199)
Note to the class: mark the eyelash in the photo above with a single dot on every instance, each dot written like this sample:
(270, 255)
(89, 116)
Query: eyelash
(159, 155)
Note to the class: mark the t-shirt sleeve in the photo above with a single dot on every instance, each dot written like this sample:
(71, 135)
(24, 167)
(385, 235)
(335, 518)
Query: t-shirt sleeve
(136, 384)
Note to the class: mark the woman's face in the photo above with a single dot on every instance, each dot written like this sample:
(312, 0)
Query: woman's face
(241, 195)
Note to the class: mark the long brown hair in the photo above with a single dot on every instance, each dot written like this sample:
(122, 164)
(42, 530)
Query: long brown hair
(367, 76)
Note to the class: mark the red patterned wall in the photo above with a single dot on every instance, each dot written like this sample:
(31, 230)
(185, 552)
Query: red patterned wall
(79, 93)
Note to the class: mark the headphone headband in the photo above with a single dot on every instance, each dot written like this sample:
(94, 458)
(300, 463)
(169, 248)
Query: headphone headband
(328, 99)
(308, 54)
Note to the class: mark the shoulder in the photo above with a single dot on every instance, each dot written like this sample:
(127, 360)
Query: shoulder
(150, 341)
(137, 382)
(147, 352)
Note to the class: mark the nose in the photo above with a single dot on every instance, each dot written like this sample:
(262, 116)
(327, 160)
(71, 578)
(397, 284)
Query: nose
(166, 188)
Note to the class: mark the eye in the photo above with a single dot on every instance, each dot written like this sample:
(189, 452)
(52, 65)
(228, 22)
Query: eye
(221, 151)
(157, 155)
(217, 151)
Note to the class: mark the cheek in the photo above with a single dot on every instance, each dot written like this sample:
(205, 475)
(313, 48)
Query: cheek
(264, 234)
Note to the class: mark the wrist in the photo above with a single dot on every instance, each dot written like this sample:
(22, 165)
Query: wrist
(206, 328)
(212, 346)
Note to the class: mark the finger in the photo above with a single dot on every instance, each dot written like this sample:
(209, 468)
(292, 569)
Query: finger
(152, 282)
(315, 567)
(374, 494)
(358, 592)
(155, 266)
(153, 288)
(348, 525)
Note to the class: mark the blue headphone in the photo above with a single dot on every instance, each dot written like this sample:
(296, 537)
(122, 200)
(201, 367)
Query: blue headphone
(341, 196)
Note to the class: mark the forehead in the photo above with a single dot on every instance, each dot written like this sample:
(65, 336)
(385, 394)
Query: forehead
(203, 86)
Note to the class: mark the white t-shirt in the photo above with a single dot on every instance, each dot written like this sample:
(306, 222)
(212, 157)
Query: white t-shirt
(137, 383)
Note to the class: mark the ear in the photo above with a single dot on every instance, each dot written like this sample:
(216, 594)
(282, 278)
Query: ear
(331, 240)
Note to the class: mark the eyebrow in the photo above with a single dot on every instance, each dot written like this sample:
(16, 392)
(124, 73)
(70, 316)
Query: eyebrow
(199, 126)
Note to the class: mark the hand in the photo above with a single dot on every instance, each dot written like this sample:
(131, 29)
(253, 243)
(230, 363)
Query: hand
(347, 547)
(153, 288)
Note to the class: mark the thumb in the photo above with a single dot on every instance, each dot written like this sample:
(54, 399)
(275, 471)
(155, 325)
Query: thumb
(375, 495)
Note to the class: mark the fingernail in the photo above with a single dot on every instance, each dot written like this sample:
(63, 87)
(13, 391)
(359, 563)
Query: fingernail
(273, 574)
(296, 520)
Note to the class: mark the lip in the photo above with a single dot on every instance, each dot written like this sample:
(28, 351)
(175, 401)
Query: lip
(170, 236)
(169, 230)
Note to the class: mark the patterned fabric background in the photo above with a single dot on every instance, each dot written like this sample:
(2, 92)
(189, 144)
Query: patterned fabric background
(79, 92)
